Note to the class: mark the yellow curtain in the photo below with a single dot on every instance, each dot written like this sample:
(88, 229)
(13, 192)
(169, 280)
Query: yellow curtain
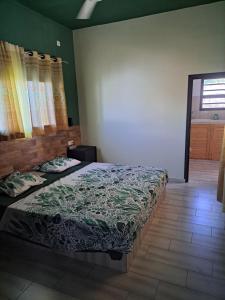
(39, 81)
(46, 93)
(32, 96)
(59, 94)
(15, 118)
(221, 179)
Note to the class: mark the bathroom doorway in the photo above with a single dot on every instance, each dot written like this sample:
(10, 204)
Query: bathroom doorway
(205, 126)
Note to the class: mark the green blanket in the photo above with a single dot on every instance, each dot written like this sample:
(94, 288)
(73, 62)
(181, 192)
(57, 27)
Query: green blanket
(98, 208)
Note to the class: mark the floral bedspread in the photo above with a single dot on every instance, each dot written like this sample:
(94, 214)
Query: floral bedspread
(98, 208)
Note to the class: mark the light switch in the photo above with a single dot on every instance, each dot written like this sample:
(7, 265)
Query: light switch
(70, 143)
(58, 43)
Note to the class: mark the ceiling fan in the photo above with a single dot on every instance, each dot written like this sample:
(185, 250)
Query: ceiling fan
(87, 9)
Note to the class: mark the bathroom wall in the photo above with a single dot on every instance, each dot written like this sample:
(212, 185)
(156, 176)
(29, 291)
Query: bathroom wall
(201, 114)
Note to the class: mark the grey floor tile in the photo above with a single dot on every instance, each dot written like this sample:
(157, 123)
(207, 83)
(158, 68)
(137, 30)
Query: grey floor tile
(152, 239)
(211, 215)
(39, 292)
(194, 203)
(168, 291)
(197, 250)
(133, 283)
(202, 221)
(178, 210)
(89, 289)
(12, 286)
(138, 297)
(213, 242)
(157, 270)
(185, 226)
(35, 272)
(216, 232)
(219, 270)
(169, 233)
(183, 261)
(3, 297)
(206, 284)
(166, 214)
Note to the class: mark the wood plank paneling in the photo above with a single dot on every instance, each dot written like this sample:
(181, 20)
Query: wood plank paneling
(23, 154)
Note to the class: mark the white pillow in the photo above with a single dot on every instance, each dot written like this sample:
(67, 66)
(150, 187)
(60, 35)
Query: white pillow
(59, 164)
(17, 183)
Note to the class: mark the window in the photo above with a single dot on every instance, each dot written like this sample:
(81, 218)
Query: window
(32, 97)
(41, 103)
(213, 94)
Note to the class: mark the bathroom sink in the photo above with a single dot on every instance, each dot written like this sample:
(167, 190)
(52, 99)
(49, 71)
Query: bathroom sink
(207, 121)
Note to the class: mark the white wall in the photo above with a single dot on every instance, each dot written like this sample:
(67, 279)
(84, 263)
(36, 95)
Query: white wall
(132, 82)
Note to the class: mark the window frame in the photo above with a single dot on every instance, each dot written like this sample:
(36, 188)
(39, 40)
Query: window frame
(209, 96)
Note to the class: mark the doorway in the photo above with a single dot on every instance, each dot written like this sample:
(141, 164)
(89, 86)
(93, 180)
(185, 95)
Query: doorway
(204, 126)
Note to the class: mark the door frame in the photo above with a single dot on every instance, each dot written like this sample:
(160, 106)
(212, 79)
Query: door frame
(191, 78)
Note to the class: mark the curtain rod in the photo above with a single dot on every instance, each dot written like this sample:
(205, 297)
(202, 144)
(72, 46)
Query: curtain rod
(42, 56)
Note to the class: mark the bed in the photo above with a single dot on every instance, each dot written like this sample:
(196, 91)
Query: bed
(94, 211)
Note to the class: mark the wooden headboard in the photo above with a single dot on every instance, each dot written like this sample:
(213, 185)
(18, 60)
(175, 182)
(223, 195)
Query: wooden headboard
(23, 154)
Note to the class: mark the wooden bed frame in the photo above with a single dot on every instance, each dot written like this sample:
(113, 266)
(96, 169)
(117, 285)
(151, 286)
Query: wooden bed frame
(103, 259)
(122, 265)
(23, 154)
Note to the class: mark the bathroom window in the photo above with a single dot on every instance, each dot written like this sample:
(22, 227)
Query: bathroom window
(213, 94)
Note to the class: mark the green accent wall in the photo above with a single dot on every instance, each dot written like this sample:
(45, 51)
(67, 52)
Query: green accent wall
(31, 30)
(106, 11)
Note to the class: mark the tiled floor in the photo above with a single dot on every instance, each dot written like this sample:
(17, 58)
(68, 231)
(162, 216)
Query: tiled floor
(203, 170)
(182, 256)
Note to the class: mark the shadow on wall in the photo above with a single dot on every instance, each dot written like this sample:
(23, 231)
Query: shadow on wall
(122, 112)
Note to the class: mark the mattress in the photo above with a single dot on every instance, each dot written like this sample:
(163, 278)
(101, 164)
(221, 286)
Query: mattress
(6, 200)
(99, 207)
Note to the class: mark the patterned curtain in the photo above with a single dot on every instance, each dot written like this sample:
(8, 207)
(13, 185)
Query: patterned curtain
(39, 82)
(59, 94)
(15, 120)
(221, 179)
(32, 97)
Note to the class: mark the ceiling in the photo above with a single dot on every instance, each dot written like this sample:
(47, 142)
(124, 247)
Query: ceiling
(107, 11)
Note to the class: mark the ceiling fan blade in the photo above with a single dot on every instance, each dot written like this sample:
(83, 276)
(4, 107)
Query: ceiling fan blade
(87, 9)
